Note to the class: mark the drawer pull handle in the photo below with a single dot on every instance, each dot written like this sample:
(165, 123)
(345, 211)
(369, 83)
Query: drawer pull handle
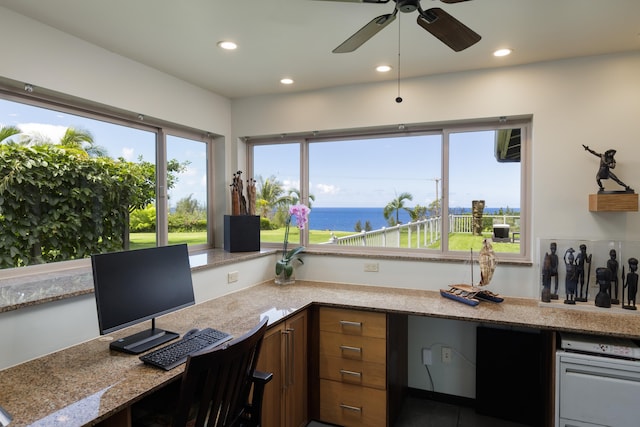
(349, 348)
(352, 373)
(350, 408)
(352, 324)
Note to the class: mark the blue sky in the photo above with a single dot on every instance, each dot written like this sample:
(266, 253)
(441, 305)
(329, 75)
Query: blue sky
(357, 173)
(120, 141)
(372, 172)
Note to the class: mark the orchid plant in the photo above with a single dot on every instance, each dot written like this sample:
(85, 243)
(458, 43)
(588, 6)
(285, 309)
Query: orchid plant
(301, 214)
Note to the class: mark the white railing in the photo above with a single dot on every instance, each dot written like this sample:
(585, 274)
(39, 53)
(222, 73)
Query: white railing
(421, 233)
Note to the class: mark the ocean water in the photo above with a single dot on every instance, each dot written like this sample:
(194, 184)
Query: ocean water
(345, 219)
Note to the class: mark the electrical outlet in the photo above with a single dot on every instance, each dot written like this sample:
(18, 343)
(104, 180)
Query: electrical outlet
(371, 267)
(427, 356)
(446, 355)
(232, 276)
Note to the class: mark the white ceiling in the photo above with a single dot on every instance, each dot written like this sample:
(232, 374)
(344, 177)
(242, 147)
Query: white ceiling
(294, 38)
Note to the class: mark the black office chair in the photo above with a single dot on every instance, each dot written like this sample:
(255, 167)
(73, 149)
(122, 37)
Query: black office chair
(216, 387)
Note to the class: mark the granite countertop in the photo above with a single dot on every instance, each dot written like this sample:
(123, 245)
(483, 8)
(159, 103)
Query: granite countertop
(87, 383)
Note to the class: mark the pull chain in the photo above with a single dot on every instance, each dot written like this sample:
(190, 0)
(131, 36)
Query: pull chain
(399, 98)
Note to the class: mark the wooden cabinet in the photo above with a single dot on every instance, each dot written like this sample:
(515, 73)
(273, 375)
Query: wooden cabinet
(284, 353)
(361, 367)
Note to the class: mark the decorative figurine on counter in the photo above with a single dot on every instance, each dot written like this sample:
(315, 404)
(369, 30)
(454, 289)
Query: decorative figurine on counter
(612, 265)
(553, 269)
(239, 204)
(473, 294)
(581, 259)
(546, 278)
(603, 298)
(607, 162)
(251, 196)
(571, 280)
(631, 284)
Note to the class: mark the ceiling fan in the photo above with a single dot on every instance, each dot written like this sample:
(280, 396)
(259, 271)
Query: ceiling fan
(435, 20)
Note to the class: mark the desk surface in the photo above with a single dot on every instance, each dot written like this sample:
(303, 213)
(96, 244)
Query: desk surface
(87, 382)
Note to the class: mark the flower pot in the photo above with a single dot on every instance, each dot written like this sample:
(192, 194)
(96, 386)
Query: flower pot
(282, 279)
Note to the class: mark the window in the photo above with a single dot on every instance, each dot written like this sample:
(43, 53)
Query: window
(276, 169)
(432, 190)
(74, 183)
(187, 190)
(484, 182)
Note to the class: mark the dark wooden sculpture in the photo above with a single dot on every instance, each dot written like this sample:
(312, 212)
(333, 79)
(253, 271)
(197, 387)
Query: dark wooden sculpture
(607, 163)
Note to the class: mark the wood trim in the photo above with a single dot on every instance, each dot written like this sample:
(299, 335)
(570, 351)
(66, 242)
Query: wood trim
(623, 202)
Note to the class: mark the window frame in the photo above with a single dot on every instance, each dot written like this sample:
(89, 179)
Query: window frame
(50, 100)
(445, 130)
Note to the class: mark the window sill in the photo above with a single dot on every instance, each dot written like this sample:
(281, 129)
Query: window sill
(29, 289)
(407, 255)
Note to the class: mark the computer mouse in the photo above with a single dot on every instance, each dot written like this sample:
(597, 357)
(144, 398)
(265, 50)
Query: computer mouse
(190, 332)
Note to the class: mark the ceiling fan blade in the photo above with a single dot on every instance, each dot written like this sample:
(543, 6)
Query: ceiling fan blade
(365, 1)
(365, 33)
(448, 29)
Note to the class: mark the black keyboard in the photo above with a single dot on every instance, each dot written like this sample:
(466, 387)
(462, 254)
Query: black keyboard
(174, 354)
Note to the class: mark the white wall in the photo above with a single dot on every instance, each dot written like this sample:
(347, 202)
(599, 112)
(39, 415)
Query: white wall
(591, 101)
(45, 57)
(52, 60)
(38, 330)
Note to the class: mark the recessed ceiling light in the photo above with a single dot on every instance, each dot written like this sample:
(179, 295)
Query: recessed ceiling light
(502, 52)
(286, 81)
(383, 68)
(227, 45)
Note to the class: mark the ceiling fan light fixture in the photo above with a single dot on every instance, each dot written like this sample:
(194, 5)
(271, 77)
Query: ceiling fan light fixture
(502, 52)
(286, 81)
(407, 6)
(383, 68)
(227, 45)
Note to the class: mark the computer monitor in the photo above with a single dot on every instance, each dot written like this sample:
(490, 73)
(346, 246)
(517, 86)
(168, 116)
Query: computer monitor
(138, 285)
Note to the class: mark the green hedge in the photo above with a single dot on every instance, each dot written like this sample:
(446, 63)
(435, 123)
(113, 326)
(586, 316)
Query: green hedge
(57, 205)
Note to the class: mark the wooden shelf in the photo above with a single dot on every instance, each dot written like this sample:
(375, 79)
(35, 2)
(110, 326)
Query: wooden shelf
(623, 202)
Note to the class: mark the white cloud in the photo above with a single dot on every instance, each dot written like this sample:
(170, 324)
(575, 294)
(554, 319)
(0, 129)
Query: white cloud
(53, 133)
(128, 153)
(327, 189)
(289, 185)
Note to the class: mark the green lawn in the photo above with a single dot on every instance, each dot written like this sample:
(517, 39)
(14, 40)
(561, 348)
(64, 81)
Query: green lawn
(457, 241)
(148, 240)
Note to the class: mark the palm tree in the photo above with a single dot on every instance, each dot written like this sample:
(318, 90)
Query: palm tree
(74, 140)
(7, 132)
(395, 205)
(294, 197)
(418, 213)
(82, 139)
(269, 195)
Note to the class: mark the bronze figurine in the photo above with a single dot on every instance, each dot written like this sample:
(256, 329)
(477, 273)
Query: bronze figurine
(607, 162)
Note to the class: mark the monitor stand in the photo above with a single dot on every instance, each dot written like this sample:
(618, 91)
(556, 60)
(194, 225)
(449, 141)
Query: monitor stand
(143, 341)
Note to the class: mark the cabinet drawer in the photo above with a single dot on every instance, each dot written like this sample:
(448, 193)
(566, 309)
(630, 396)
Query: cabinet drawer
(350, 405)
(352, 347)
(353, 322)
(354, 372)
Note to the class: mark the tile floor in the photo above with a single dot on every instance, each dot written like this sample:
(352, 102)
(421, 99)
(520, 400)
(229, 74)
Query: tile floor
(428, 413)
